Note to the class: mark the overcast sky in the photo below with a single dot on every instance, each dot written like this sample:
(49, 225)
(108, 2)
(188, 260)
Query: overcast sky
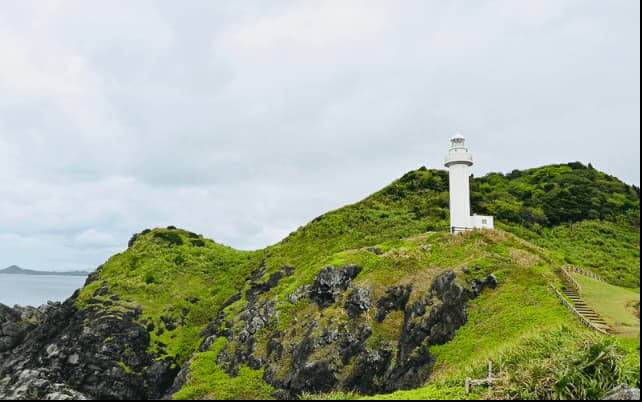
(244, 120)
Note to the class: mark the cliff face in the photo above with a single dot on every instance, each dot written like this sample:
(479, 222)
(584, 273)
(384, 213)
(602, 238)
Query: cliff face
(84, 354)
(367, 299)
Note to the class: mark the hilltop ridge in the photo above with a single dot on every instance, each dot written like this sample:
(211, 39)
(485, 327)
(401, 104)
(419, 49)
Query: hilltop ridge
(372, 298)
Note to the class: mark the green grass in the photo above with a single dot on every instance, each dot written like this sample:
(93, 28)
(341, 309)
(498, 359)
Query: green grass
(615, 304)
(431, 392)
(631, 362)
(161, 273)
(610, 249)
(520, 308)
(209, 382)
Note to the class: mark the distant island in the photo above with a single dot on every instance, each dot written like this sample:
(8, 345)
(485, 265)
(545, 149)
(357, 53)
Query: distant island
(16, 270)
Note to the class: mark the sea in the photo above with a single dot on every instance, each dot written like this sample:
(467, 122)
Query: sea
(35, 290)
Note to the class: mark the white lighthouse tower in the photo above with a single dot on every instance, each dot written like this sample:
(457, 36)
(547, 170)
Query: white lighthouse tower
(459, 162)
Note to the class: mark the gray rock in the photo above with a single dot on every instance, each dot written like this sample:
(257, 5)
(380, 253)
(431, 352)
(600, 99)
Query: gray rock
(623, 393)
(299, 294)
(478, 285)
(15, 323)
(359, 301)
(75, 354)
(169, 322)
(331, 282)
(35, 384)
(375, 250)
(102, 291)
(52, 351)
(73, 359)
(395, 299)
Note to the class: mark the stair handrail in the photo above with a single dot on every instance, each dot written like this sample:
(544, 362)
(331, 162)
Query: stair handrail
(582, 271)
(579, 315)
(569, 278)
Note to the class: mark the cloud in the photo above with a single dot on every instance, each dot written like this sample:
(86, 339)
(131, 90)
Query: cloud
(243, 121)
(95, 238)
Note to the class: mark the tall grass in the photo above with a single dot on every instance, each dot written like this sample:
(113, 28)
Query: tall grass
(558, 367)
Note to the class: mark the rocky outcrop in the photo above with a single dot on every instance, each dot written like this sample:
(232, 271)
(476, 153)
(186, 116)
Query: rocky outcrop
(330, 283)
(314, 363)
(242, 329)
(16, 322)
(359, 301)
(35, 385)
(94, 353)
(395, 299)
(12, 330)
(258, 287)
(478, 285)
(431, 320)
(319, 353)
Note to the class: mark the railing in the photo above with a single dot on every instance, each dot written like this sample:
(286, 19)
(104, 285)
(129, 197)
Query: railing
(571, 281)
(572, 309)
(457, 230)
(489, 380)
(582, 271)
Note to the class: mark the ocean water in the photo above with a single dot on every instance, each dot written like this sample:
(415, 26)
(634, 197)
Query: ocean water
(31, 290)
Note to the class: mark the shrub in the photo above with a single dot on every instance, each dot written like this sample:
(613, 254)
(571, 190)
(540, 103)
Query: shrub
(169, 237)
(150, 278)
(198, 243)
(554, 367)
(132, 241)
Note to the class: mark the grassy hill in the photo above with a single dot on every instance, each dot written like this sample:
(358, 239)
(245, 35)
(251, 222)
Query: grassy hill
(620, 307)
(266, 328)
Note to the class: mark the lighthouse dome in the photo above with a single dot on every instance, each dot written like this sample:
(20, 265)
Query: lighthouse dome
(458, 141)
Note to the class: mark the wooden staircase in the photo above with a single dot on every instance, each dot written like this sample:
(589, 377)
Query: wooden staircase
(582, 308)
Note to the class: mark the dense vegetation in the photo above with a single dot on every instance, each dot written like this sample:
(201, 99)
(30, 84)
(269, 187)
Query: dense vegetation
(547, 196)
(548, 216)
(555, 195)
(177, 278)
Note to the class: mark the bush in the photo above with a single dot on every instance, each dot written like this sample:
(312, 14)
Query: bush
(132, 241)
(198, 243)
(150, 278)
(554, 367)
(592, 374)
(170, 237)
(553, 195)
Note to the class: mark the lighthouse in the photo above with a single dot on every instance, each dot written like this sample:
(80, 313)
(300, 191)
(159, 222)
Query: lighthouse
(459, 163)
